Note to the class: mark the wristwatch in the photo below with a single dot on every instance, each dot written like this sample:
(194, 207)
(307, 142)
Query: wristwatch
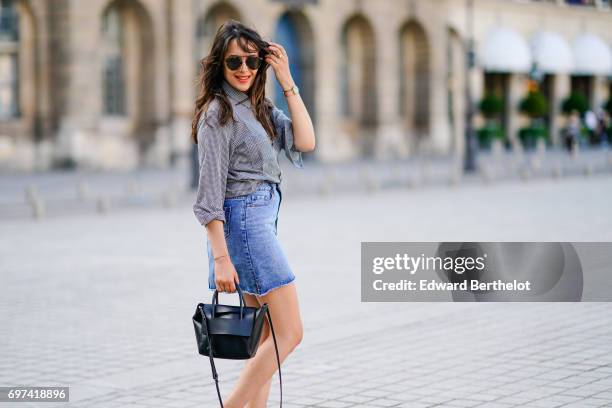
(294, 90)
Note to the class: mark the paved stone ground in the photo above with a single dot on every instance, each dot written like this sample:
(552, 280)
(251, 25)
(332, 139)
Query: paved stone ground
(103, 304)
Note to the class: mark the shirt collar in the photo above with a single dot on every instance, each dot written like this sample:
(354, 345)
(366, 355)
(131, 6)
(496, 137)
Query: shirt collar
(237, 96)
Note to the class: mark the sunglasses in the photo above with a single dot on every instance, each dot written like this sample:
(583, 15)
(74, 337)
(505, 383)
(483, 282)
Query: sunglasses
(234, 62)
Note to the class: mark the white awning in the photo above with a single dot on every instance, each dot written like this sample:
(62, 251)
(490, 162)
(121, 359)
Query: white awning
(551, 53)
(505, 50)
(592, 56)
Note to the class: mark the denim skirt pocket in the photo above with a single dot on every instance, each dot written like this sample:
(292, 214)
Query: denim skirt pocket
(260, 197)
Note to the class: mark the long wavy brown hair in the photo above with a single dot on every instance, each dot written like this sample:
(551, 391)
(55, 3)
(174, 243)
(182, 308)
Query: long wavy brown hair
(211, 77)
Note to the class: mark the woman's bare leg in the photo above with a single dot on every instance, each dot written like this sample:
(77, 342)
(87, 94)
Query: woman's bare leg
(261, 397)
(284, 309)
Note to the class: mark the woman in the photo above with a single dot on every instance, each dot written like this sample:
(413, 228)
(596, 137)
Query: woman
(240, 133)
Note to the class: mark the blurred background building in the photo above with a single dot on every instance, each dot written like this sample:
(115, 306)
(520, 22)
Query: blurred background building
(111, 84)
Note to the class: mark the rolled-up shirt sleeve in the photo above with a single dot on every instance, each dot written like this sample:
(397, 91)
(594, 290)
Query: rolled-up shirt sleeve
(213, 156)
(284, 130)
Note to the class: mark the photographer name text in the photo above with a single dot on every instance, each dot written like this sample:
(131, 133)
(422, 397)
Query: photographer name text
(456, 265)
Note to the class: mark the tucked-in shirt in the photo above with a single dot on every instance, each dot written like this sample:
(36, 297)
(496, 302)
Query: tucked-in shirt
(236, 157)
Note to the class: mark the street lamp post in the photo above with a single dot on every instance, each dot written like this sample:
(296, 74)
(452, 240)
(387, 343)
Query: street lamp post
(470, 137)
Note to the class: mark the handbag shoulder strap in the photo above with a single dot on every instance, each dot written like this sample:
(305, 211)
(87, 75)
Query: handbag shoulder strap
(212, 362)
(210, 355)
(280, 377)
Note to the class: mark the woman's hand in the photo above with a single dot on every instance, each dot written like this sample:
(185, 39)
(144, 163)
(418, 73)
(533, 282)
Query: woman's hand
(304, 138)
(279, 61)
(226, 276)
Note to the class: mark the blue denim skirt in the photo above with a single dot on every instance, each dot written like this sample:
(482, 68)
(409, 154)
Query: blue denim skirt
(251, 234)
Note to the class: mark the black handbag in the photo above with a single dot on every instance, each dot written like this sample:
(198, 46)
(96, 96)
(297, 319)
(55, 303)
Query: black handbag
(231, 332)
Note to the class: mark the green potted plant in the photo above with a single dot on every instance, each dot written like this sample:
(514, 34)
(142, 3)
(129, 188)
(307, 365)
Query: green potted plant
(535, 106)
(576, 101)
(491, 106)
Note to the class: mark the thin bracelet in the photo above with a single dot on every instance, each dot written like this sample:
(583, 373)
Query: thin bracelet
(294, 91)
(220, 256)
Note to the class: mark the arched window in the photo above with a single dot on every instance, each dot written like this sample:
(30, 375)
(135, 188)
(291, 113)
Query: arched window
(414, 74)
(113, 80)
(9, 68)
(358, 72)
(357, 77)
(294, 33)
(127, 66)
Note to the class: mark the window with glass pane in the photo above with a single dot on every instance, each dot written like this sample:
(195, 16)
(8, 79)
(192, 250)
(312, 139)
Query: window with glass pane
(113, 80)
(9, 68)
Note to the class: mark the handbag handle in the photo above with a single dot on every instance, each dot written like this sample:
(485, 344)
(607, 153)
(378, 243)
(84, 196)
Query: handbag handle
(215, 301)
(212, 362)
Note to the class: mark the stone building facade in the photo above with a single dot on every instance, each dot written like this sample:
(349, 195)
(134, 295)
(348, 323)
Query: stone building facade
(110, 84)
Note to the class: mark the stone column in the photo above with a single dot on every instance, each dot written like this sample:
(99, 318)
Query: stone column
(82, 90)
(332, 143)
(516, 90)
(44, 111)
(391, 141)
(562, 89)
(159, 153)
(183, 76)
(438, 122)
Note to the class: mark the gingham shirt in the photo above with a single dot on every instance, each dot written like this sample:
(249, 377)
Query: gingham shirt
(236, 158)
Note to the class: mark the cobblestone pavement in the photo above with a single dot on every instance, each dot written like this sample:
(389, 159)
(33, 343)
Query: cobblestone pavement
(103, 304)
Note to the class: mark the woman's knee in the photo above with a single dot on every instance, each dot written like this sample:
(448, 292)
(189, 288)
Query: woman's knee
(299, 334)
(290, 334)
(285, 310)
(294, 335)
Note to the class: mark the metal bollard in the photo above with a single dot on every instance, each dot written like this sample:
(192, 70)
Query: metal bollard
(82, 190)
(557, 171)
(426, 171)
(103, 205)
(38, 207)
(31, 193)
(524, 173)
(396, 175)
(536, 163)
